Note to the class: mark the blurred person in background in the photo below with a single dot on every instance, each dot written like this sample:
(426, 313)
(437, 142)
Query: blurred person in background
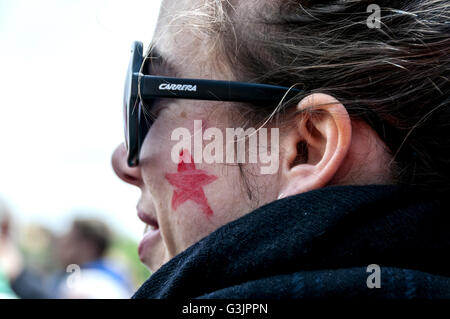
(363, 117)
(7, 263)
(86, 245)
(85, 272)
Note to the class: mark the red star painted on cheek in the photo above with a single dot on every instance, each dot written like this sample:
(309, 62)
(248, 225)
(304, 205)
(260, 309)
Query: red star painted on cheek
(189, 182)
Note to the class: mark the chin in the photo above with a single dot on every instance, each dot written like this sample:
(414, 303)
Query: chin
(153, 263)
(149, 263)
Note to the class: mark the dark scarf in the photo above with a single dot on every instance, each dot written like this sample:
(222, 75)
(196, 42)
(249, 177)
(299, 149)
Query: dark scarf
(319, 244)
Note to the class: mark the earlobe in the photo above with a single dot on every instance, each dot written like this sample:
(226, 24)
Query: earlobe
(316, 146)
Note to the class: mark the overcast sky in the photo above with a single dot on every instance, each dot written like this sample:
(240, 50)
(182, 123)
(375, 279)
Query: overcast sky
(62, 69)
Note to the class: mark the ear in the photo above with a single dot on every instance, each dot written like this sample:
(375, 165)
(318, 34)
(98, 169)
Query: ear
(316, 146)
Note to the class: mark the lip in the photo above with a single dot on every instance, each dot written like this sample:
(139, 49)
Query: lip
(151, 237)
(146, 218)
(149, 240)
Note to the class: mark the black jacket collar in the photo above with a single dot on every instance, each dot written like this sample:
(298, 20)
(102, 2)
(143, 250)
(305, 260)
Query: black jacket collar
(319, 244)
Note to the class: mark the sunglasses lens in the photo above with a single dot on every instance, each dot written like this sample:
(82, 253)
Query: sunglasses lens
(131, 108)
(126, 101)
(144, 122)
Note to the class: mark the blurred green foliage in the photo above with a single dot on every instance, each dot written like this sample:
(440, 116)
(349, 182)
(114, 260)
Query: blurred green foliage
(125, 251)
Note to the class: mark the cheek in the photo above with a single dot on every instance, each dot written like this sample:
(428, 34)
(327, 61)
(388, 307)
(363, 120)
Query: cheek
(196, 212)
(188, 226)
(157, 146)
(155, 154)
(178, 191)
(188, 183)
(191, 214)
(191, 199)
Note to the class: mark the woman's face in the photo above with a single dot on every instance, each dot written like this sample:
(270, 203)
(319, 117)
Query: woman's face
(184, 202)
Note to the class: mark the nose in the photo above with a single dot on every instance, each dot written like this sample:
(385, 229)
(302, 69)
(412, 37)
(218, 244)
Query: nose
(131, 175)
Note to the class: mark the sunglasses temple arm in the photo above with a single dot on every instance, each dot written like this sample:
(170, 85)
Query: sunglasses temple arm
(199, 89)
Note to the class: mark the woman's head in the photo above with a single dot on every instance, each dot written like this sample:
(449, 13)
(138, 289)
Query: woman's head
(374, 107)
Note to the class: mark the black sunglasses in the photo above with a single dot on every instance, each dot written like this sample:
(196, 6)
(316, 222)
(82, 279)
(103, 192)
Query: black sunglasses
(149, 87)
